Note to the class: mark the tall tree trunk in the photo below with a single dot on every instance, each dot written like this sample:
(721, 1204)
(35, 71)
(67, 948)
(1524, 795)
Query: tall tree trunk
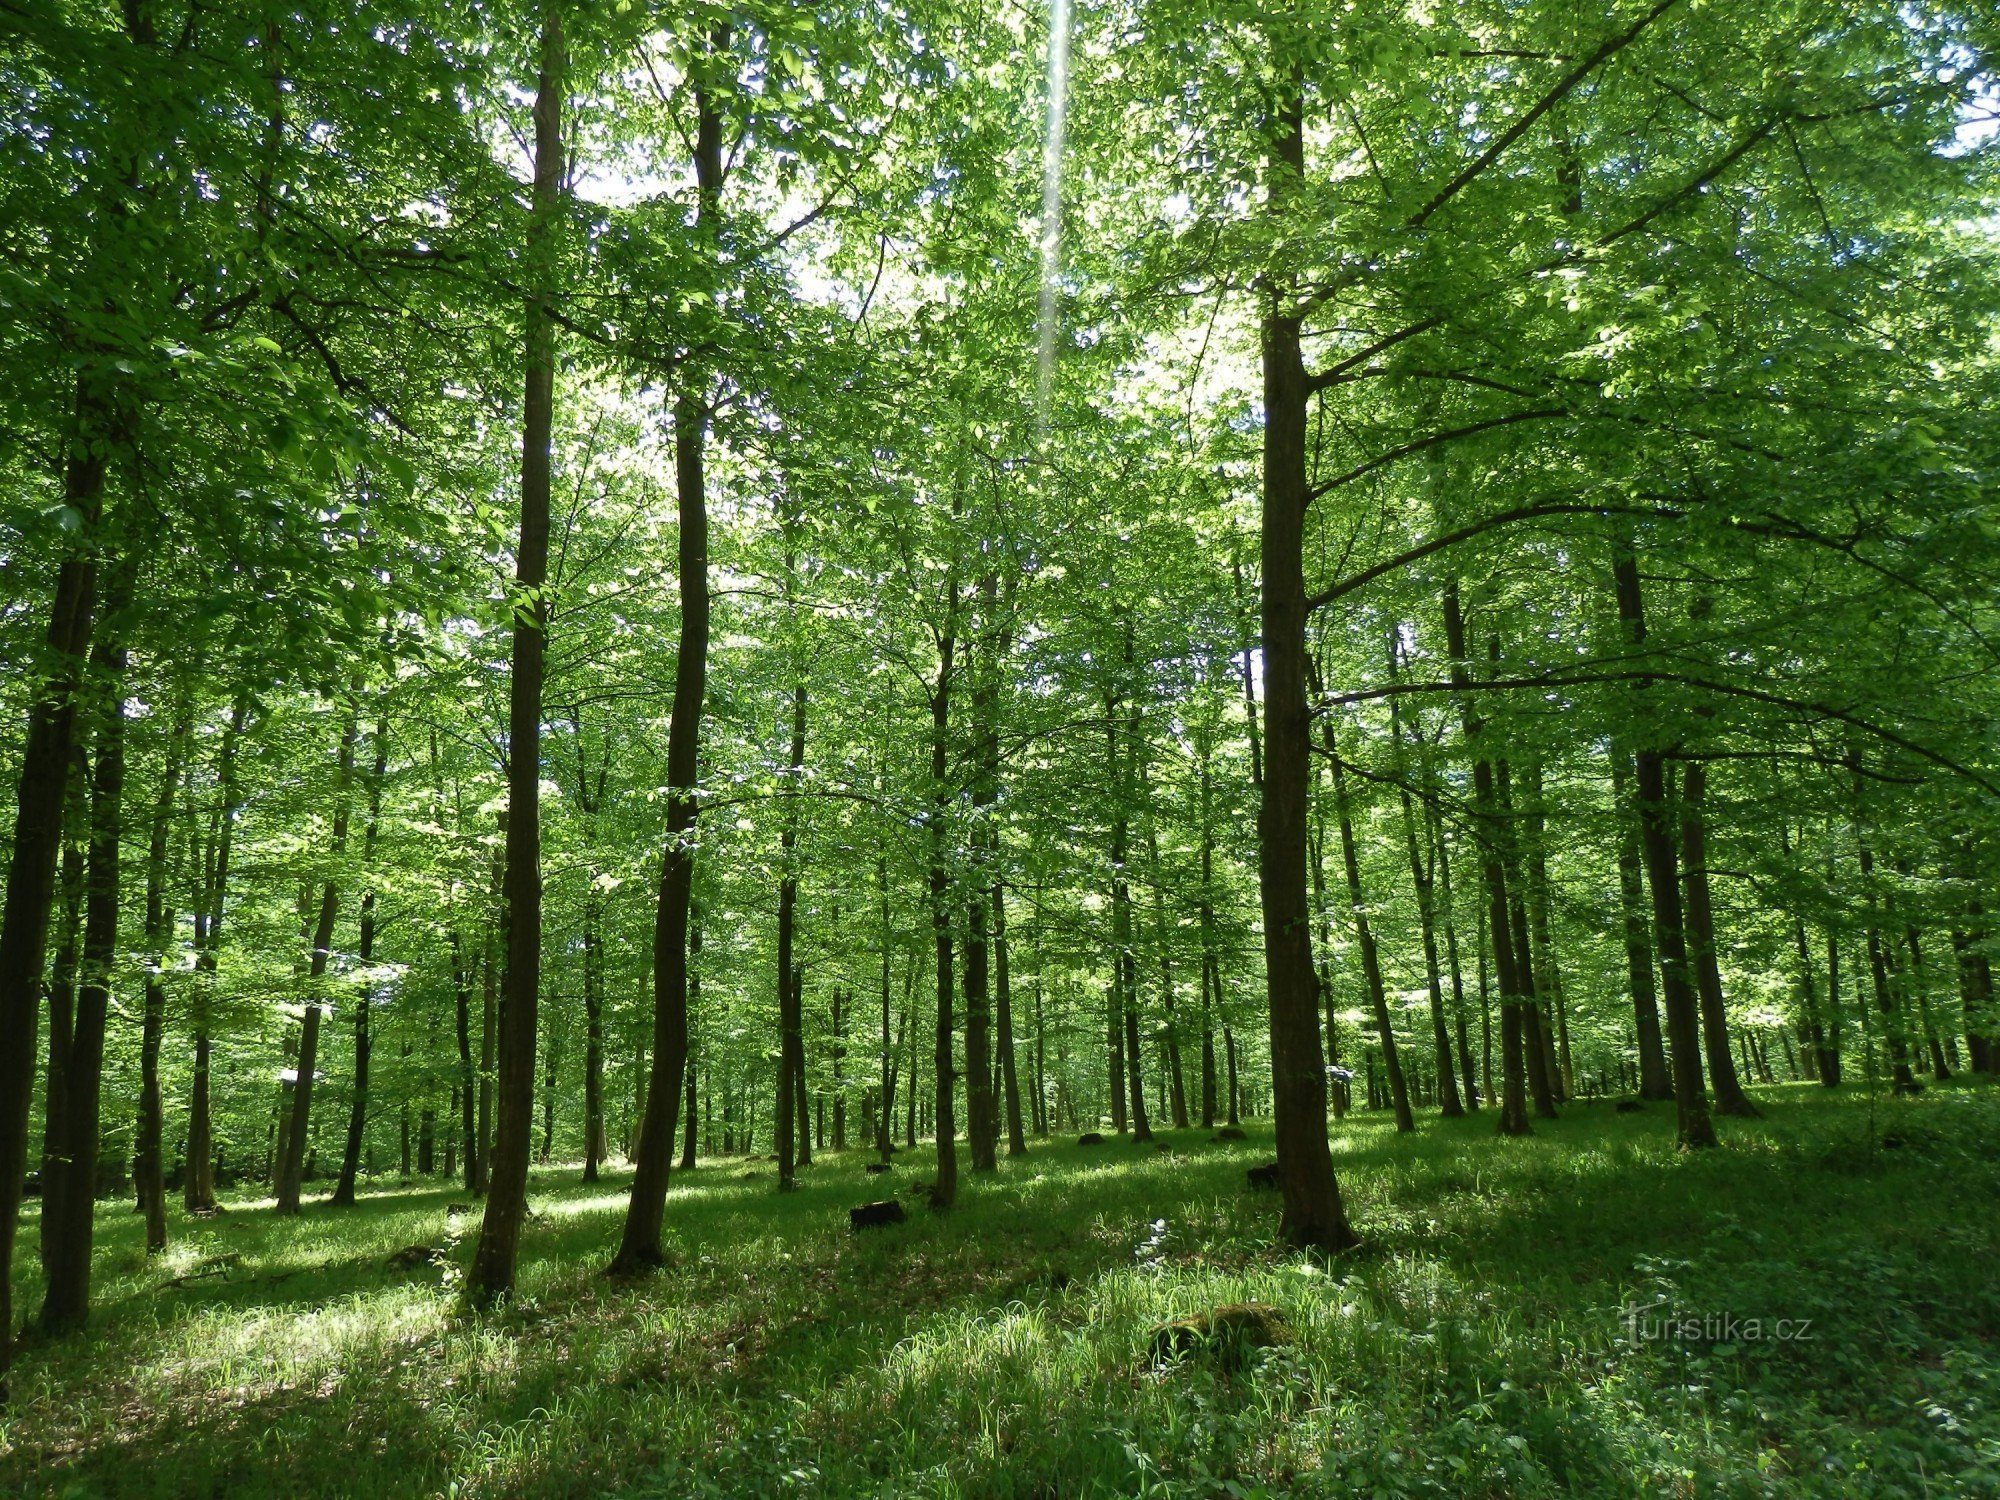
(944, 1190)
(199, 1194)
(468, 1068)
(1656, 843)
(1003, 994)
(694, 1019)
(1176, 1084)
(801, 1089)
(66, 1298)
(1551, 1012)
(1125, 969)
(1823, 1063)
(885, 1124)
(298, 1105)
(1364, 933)
(1536, 1051)
(1440, 849)
(147, 1165)
(791, 1037)
(1313, 1216)
(40, 792)
(1975, 989)
(1653, 1080)
(982, 1114)
(595, 1145)
(1421, 883)
(492, 1276)
(1233, 1116)
(1210, 1001)
(1508, 966)
(1729, 1096)
(62, 1003)
(1114, 1043)
(357, 1113)
(639, 1247)
(837, 1057)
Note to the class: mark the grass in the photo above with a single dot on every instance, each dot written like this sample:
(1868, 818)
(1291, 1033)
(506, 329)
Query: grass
(1482, 1344)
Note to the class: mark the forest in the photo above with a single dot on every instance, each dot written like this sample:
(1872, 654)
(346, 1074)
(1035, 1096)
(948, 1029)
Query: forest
(902, 747)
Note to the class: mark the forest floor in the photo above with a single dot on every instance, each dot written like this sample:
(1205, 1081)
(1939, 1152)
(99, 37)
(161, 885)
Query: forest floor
(1567, 1314)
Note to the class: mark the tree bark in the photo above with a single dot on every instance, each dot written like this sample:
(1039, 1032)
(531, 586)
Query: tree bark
(1508, 966)
(357, 1112)
(297, 1112)
(639, 1246)
(944, 1189)
(199, 1195)
(1422, 883)
(791, 1040)
(147, 1165)
(1696, 1127)
(1313, 1215)
(1003, 994)
(492, 1275)
(40, 792)
(66, 1298)
(694, 1016)
(595, 1144)
(1728, 1090)
(1654, 1082)
(1364, 933)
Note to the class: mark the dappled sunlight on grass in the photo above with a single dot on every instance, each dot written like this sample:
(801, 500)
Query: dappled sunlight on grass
(1477, 1345)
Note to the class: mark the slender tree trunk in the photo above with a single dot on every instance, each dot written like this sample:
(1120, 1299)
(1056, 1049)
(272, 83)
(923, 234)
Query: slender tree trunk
(1551, 1012)
(1421, 883)
(40, 793)
(694, 1019)
(1234, 1114)
(1729, 1096)
(1313, 1215)
(148, 1166)
(298, 1113)
(492, 1276)
(1823, 1062)
(1656, 842)
(1125, 969)
(1440, 848)
(801, 1089)
(1654, 1082)
(791, 1036)
(944, 1189)
(357, 1114)
(595, 1145)
(1975, 989)
(66, 1298)
(1536, 1050)
(980, 1115)
(1508, 966)
(639, 1248)
(1211, 1001)
(1337, 1089)
(468, 1070)
(1364, 933)
(62, 1004)
(885, 1125)
(1003, 994)
(1114, 1037)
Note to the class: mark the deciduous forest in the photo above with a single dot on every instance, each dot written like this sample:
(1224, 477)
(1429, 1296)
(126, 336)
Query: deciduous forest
(937, 749)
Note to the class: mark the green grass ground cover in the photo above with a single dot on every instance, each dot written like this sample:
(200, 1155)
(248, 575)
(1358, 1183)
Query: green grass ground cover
(1538, 1317)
